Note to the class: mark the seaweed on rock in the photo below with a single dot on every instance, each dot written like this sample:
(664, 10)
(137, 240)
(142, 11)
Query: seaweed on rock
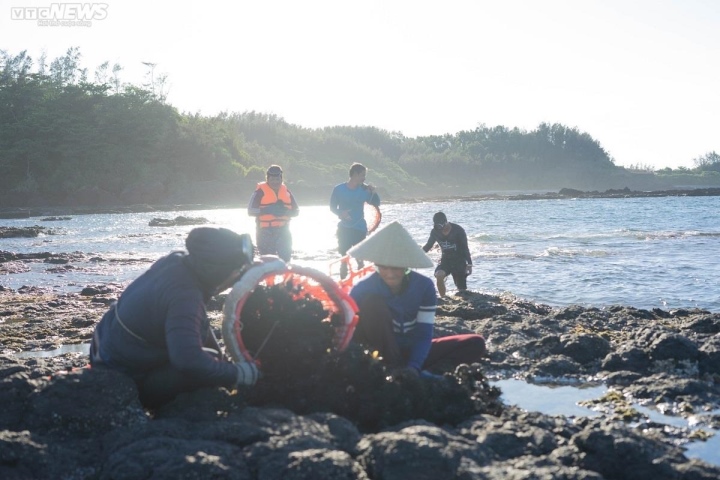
(292, 336)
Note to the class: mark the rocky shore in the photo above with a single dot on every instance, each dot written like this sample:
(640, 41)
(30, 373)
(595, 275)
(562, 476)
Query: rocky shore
(62, 420)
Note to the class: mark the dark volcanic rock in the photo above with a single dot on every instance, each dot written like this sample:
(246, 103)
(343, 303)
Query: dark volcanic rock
(27, 232)
(352, 420)
(583, 348)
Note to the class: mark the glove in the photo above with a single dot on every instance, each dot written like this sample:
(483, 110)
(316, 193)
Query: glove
(468, 270)
(247, 373)
(277, 209)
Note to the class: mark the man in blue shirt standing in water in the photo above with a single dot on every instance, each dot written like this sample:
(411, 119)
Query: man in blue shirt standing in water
(348, 203)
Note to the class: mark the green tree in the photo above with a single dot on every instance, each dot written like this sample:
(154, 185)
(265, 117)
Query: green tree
(708, 162)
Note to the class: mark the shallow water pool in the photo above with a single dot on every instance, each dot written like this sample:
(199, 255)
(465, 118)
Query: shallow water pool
(563, 400)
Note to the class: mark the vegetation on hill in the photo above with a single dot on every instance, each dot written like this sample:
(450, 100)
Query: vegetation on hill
(67, 139)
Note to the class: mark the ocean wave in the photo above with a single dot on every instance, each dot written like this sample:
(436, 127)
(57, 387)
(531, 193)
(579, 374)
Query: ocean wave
(671, 235)
(571, 252)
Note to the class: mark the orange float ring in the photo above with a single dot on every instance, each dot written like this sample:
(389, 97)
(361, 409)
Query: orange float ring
(270, 271)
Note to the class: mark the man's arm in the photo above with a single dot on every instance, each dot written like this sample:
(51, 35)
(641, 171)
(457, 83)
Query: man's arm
(254, 205)
(294, 209)
(184, 334)
(463, 246)
(423, 332)
(430, 242)
(335, 205)
(374, 199)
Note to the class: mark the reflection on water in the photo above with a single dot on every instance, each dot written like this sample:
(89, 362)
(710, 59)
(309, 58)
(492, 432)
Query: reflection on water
(550, 400)
(563, 400)
(708, 450)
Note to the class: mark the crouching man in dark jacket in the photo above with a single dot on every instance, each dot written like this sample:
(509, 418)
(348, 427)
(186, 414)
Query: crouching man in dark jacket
(158, 331)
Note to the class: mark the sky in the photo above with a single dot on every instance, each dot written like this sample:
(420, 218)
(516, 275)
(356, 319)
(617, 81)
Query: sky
(642, 77)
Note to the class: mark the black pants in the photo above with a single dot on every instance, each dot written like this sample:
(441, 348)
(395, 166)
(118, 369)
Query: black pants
(457, 271)
(348, 238)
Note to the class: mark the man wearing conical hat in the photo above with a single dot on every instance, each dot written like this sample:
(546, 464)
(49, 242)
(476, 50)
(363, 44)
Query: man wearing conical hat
(397, 307)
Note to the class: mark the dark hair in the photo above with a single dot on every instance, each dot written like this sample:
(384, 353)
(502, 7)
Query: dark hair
(439, 217)
(357, 168)
(274, 170)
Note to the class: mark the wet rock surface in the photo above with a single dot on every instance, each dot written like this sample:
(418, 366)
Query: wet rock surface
(24, 232)
(61, 419)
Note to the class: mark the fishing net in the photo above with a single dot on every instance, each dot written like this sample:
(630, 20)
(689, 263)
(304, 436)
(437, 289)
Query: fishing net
(278, 314)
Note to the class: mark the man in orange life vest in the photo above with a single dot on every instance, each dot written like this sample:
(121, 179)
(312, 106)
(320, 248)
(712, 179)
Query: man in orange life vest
(272, 204)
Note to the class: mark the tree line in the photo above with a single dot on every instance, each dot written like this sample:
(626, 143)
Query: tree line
(71, 137)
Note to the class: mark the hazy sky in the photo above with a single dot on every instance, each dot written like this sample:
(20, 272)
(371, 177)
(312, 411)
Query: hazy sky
(642, 77)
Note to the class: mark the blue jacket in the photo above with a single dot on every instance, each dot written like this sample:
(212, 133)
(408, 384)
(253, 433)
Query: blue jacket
(343, 198)
(164, 309)
(413, 312)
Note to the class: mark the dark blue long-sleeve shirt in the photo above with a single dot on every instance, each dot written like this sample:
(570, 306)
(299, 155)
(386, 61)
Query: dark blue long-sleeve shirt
(413, 312)
(164, 309)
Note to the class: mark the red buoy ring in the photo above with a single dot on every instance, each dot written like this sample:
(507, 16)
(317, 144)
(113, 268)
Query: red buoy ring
(271, 271)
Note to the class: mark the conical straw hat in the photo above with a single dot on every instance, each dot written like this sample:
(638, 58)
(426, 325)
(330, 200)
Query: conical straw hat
(391, 246)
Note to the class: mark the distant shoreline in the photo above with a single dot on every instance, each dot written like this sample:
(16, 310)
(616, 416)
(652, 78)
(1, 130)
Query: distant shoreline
(565, 193)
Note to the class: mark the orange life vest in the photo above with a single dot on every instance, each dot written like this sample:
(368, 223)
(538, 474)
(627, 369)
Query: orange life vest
(269, 198)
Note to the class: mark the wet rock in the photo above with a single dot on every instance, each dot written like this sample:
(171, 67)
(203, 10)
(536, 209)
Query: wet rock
(568, 313)
(9, 268)
(93, 290)
(420, 451)
(583, 348)
(710, 356)
(703, 324)
(57, 260)
(87, 423)
(619, 453)
(26, 232)
(622, 378)
(104, 299)
(60, 405)
(556, 366)
(673, 346)
(163, 457)
(629, 358)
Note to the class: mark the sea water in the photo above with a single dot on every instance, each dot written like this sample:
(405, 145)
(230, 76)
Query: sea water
(565, 400)
(642, 252)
